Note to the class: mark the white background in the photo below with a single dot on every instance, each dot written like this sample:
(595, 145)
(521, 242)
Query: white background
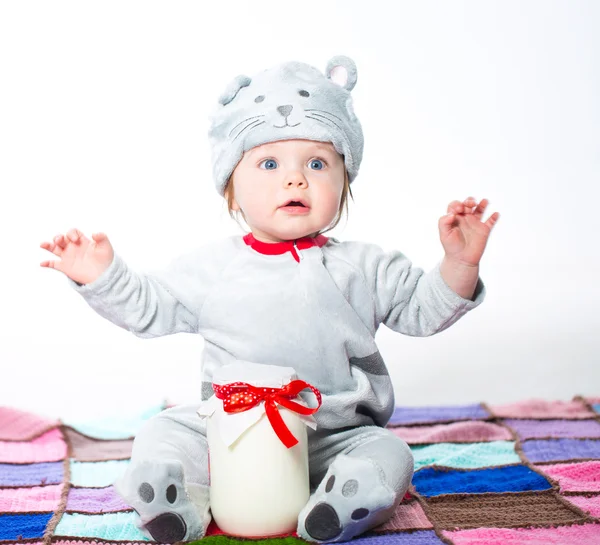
(103, 126)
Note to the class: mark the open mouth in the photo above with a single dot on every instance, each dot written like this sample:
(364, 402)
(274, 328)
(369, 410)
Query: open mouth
(301, 203)
(296, 207)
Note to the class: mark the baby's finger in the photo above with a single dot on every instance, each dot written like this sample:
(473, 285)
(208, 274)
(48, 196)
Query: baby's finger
(480, 209)
(446, 223)
(74, 235)
(469, 203)
(491, 221)
(99, 237)
(51, 264)
(455, 207)
(59, 240)
(50, 247)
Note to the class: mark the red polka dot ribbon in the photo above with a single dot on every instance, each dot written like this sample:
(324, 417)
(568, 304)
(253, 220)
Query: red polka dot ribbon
(241, 396)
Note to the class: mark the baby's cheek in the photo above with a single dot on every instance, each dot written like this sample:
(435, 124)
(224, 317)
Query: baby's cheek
(332, 207)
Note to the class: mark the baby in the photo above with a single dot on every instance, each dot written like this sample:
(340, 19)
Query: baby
(286, 146)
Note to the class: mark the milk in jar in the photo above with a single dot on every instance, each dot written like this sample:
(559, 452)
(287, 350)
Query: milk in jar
(259, 482)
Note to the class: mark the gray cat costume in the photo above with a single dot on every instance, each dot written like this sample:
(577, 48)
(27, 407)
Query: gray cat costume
(313, 304)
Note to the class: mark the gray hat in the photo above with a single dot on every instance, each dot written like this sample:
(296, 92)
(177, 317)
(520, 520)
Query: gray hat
(290, 100)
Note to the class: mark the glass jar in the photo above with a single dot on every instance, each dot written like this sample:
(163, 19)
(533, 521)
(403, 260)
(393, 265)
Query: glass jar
(258, 448)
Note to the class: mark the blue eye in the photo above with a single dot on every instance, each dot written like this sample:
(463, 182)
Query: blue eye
(266, 161)
(318, 161)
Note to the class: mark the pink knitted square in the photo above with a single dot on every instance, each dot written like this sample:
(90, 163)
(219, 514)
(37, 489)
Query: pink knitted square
(408, 515)
(17, 425)
(36, 499)
(590, 505)
(575, 477)
(48, 447)
(576, 534)
(465, 432)
(540, 408)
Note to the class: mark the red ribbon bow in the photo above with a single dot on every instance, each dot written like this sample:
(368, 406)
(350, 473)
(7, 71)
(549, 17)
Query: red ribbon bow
(241, 396)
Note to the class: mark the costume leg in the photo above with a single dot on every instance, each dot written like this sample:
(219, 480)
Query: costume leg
(167, 480)
(367, 479)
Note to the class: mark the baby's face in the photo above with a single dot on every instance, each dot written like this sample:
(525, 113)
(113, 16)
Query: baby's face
(270, 175)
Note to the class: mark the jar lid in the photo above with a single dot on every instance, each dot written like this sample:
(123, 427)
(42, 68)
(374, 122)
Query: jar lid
(256, 374)
(232, 425)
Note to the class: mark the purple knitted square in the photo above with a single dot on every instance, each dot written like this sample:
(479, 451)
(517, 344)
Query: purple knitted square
(550, 450)
(419, 537)
(95, 500)
(31, 474)
(527, 429)
(414, 415)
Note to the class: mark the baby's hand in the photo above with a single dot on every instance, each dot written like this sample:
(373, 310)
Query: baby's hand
(463, 233)
(82, 260)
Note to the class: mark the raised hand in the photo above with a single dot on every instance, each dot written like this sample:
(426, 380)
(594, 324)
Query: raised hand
(81, 259)
(463, 234)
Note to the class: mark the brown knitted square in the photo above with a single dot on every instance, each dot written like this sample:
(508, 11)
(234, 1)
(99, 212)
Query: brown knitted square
(87, 449)
(506, 510)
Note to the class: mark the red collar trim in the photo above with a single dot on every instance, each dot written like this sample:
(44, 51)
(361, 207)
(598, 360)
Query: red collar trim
(278, 248)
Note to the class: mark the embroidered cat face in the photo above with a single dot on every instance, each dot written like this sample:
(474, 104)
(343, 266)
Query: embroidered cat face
(291, 100)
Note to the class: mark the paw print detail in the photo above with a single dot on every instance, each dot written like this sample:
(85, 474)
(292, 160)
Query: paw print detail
(323, 522)
(351, 497)
(167, 528)
(350, 488)
(172, 494)
(146, 492)
(358, 514)
(147, 495)
(156, 490)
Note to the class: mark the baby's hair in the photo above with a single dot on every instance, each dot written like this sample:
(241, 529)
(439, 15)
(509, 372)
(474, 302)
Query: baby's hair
(229, 195)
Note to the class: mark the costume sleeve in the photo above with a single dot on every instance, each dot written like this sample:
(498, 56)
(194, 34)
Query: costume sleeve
(154, 303)
(407, 299)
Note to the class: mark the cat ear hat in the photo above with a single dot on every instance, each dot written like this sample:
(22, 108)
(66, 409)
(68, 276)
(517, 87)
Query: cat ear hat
(289, 100)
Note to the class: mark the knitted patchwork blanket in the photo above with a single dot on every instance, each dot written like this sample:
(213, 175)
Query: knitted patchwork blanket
(519, 473)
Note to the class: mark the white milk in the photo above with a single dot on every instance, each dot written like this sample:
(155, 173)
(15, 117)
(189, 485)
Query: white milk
(258, 486)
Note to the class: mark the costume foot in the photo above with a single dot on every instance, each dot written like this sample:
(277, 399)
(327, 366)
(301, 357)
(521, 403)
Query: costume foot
(170, 510)
(352, 498)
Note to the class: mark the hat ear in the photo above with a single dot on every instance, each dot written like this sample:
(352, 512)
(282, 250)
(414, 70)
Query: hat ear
(233, 87)
(343, 70)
